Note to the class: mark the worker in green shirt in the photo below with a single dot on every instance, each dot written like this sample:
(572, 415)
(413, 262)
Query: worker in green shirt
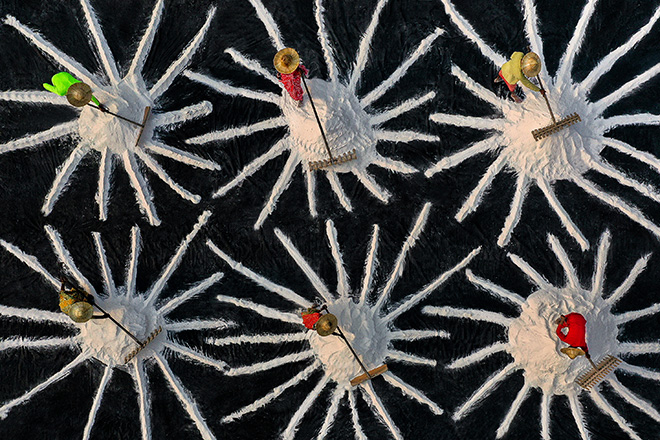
(518, 69)
(61, 83)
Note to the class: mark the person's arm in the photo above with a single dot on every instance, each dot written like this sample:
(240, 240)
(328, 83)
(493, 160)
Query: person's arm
(527, 83)
(51, 88)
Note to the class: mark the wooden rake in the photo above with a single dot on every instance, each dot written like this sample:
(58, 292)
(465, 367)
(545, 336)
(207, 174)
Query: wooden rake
(594, 375)
(150, 338)
(332, 160)
(368, 374)
(556, 126)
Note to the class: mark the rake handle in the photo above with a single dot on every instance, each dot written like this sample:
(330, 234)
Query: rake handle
(341, 334)
(115, 114)
(552, 115)
(318, 120)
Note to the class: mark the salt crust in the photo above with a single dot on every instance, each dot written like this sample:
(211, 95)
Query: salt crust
(104, 131)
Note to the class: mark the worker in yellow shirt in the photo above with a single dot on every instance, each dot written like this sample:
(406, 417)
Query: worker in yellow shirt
(518, 69)
(77, 304)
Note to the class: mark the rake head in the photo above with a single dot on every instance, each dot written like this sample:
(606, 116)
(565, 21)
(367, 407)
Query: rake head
(543, 132)
(150, 338)
(372, 373)
(325, 163)
(147, 112)
(592, 377)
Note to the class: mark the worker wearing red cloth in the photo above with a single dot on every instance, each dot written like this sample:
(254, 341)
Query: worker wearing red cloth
(518, 69)
(289, 68)
(311, 316)
(575, 336)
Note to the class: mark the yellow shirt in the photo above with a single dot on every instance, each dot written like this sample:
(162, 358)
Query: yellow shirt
(512, 72)
(69, 298)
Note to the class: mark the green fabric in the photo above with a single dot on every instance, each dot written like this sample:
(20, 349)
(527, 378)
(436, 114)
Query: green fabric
(61, 83)
(512, 72)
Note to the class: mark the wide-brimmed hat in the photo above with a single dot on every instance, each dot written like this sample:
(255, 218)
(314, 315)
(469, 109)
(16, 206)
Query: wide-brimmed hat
(530, 64)
(80, 312)
(79, 94)
(286, 60)
(326, 324)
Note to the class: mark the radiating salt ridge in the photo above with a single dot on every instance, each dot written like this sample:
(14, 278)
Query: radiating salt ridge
(366, 315)
(115, 139)
(566, 155)
(343, 114)
(535, 348)
(103, 341)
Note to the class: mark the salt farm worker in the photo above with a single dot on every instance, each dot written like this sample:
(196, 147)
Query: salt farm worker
(289, 68)
(78, 305)
(61, 83)
(311, 316)
(519, 68)
(576, 335)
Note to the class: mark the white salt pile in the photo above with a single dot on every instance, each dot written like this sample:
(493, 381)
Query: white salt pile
(559, 156)
(103, 131)
(365, 330)
(347, 126)
(104, 340)
(535, 345)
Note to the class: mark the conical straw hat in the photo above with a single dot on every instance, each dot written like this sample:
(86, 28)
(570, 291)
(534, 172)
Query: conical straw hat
(286, 60)
(530, 64)
(81, 311)
(79, 94)
(326, 324)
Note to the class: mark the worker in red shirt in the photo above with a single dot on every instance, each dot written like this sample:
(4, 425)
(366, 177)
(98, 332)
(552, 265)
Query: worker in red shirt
(311, 316)
(290, 68)
(575, 335)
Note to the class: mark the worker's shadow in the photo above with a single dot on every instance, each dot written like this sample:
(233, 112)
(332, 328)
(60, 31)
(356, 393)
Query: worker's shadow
(502, 91)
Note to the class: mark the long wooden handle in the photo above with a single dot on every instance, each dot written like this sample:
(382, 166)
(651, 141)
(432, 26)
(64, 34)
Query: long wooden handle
(591, 362)
(552, 115)
(116, 115)
(316, 115)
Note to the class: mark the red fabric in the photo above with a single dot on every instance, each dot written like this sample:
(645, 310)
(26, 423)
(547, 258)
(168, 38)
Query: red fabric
(310, 319)
(512, 88)
(291, 82)
(577, 331)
